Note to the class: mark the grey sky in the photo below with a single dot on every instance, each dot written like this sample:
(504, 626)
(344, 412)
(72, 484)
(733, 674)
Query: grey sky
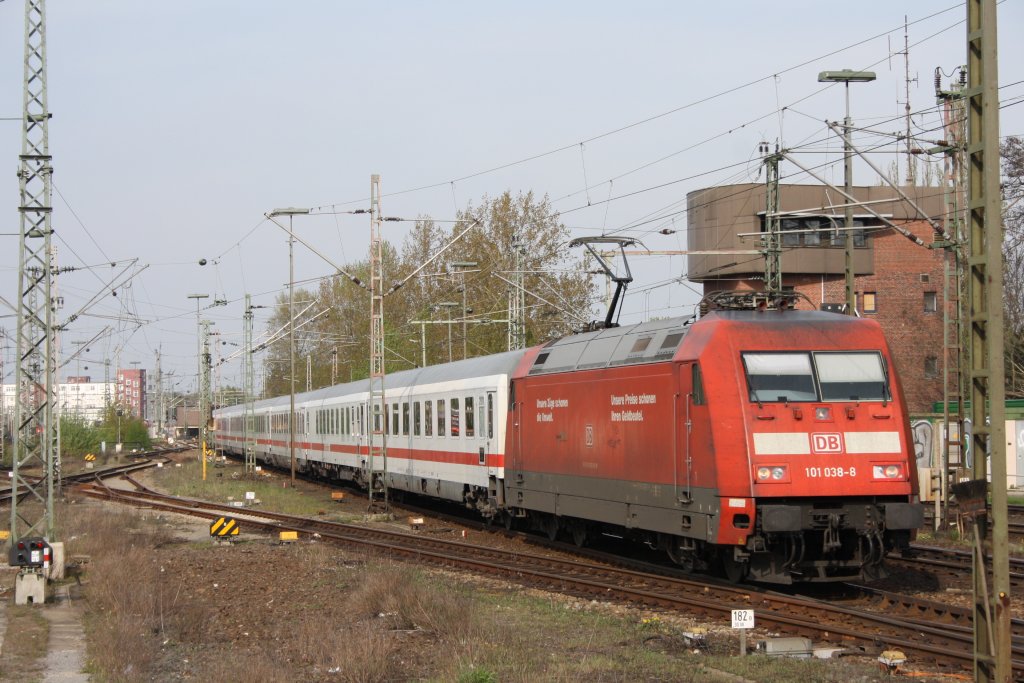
(177, 125)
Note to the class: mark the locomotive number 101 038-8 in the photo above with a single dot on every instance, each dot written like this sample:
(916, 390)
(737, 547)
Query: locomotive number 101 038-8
(829, 472)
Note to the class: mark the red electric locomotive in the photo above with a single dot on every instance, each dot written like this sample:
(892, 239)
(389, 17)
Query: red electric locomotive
(774, 442)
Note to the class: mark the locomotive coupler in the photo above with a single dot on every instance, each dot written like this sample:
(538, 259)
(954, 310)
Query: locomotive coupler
(831, 541)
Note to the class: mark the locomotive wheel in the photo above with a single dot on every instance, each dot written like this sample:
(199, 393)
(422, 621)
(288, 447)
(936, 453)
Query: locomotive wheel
(549, 525)
(683, 559)
(579, 533)
(735, 571)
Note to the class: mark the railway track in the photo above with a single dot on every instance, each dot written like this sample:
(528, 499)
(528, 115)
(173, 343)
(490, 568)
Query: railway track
(143, 461)
(946, 642)
(951, 563)
(1015, 522)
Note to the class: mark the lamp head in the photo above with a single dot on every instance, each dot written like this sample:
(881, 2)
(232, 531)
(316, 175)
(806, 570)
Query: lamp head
(846, 76)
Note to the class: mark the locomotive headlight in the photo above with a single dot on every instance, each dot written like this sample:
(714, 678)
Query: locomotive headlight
(893, 471)
(771, 473)
(823, 413)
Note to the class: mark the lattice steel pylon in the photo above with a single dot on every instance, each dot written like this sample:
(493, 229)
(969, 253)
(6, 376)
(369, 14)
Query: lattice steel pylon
(517, 298)
(992, 632)
(204, 392)
(377, 442)
(772, 241)
(35, 434)
(249, 387)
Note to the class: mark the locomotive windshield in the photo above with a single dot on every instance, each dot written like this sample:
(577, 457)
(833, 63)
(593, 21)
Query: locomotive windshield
(806, 376)
(851, 376)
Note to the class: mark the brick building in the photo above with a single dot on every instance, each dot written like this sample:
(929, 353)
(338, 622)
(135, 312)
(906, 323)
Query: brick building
(897, 282)
(131, 391)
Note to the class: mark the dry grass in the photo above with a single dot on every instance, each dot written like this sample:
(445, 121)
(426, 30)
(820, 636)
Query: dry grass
(366, 620)
(24, 648)
(132, 608)
(225, 484)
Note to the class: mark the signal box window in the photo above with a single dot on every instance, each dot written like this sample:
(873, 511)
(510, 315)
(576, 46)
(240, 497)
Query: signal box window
(931, 302)
(870, 302)
(779, 377)
(931, 367)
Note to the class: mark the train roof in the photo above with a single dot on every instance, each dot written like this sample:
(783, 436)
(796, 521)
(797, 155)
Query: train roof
(481, 366)
(648, 342)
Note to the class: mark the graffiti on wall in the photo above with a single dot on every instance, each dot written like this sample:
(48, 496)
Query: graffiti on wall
(923, 434)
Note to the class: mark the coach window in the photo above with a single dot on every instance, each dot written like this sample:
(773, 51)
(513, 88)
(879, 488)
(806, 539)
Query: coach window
(416, 418)
(376, 417)
(428, 418)
(441, 409)
(470, 418)
(454, 421)
(698, 385)
(490, 416)
(405, 418)
(394, 419)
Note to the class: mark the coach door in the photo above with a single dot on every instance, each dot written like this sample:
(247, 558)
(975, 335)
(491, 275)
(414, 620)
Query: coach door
(516, 440)
(486, 427)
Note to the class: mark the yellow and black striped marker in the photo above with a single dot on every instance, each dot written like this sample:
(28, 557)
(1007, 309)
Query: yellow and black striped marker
(89, 457)
(224, 526)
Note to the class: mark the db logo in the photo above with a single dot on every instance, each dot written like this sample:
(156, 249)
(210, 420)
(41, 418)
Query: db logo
(826, 443)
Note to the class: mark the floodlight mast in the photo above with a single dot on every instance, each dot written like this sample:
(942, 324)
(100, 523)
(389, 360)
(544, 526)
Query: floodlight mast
(621, 281)
(848, 76)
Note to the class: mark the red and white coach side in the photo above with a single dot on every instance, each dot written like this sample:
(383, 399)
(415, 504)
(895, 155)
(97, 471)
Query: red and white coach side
(444, 425)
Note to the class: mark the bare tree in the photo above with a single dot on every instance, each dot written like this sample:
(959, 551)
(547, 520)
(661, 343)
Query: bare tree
(1012, 150)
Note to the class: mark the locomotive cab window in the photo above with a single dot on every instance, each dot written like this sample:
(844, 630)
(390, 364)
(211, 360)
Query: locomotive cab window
(851, 376)
(698, 385)
(780, 377)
